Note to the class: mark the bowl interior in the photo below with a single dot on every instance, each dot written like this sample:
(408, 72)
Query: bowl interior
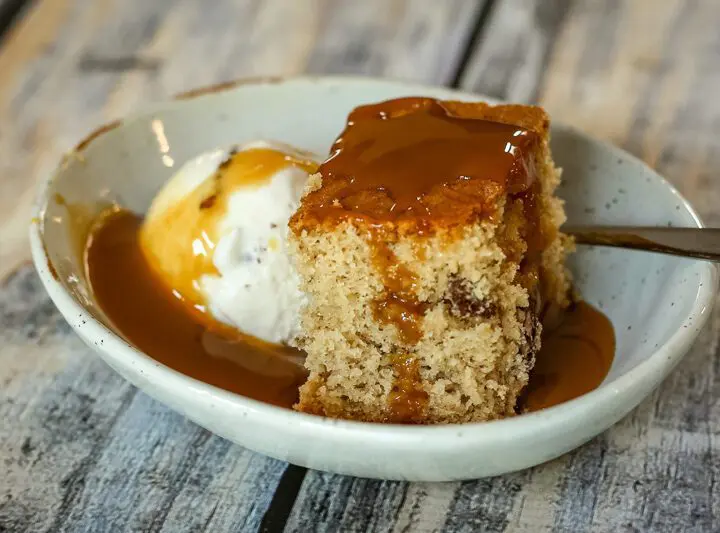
(648, 297)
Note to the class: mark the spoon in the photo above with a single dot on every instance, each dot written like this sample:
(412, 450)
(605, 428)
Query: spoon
(699, 243)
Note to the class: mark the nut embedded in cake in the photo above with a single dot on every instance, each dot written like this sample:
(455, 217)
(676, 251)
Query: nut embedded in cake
(428, 247)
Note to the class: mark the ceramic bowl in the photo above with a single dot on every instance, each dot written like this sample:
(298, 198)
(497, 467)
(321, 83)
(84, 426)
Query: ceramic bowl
(657, 303)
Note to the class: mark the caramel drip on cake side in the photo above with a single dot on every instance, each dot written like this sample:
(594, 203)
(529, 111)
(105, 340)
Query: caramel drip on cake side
(407, 400)
(523, 215)
(399, 306)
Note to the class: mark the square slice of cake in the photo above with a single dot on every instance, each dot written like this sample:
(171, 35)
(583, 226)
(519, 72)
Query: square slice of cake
(428, 247)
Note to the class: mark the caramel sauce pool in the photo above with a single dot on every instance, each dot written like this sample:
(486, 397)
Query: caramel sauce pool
(574, 359)
(150, 317)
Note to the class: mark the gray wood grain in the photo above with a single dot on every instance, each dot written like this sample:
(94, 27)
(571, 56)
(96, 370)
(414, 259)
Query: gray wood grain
(514, 48)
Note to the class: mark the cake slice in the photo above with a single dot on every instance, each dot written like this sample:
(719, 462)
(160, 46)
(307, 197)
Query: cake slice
(429, 249)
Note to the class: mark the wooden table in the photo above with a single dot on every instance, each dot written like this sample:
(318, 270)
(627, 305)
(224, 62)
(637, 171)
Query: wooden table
(82, 450)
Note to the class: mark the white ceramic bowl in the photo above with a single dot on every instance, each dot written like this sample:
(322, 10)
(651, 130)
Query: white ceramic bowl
(657, 303)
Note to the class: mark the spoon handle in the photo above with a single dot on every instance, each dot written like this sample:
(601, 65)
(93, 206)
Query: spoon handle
(699, 243)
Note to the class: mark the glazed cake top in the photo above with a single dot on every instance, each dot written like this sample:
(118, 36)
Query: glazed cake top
(424, 160)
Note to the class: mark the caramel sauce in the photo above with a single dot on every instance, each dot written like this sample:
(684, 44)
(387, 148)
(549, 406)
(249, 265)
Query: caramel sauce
(180, 238)
(574, 359)
(415, 158)
(144, 311)
(398, 305)
(407, 399)
(405, 315)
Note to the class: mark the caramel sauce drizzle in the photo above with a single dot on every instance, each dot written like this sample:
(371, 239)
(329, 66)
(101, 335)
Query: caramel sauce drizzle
(407, 400)
(398, 305)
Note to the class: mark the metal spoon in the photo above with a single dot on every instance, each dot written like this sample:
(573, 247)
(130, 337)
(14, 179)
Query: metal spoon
(699, 243)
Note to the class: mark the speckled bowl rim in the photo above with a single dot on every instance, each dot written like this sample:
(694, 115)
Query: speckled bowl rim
(659, 363)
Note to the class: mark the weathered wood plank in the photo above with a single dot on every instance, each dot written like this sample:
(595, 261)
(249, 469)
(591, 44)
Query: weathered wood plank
(396, 39)
(514, 48)
(83, 450)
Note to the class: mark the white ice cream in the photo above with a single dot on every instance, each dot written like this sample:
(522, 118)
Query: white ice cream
(250, 283)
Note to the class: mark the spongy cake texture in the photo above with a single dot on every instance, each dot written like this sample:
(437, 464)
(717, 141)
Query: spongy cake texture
(465, 350)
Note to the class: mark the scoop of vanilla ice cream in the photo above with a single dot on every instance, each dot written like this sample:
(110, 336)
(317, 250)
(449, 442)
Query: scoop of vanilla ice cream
(257, 287)
(216, 234)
